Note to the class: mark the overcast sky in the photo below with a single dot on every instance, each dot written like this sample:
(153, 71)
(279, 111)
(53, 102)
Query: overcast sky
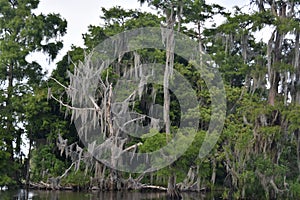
(82, 13)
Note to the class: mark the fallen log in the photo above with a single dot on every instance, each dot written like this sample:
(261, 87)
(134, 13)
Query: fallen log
(152, 187)
(45, 186)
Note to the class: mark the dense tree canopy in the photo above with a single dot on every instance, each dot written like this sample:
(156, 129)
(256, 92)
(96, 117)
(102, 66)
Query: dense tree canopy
(22, 33)
(258, 152)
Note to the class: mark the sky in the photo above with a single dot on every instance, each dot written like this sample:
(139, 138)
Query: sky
(82, 13)
(79, 15)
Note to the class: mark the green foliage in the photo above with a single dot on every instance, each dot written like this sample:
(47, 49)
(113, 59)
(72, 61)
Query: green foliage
(259, 141)
(45, 163)
(254, 131)
(153, 143)
(23, 33)
(117, 20)
(5, 178)
(295, 190)
(78, 178)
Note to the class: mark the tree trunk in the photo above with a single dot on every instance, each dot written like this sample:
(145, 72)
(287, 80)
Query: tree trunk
(296, 80)
(273, 90)
(298, 150)
(274, 57)
(172, 191)
(213, 176)
(9, 124)
(167, 75)
(167, 102)
(28, 165)
(112, 180)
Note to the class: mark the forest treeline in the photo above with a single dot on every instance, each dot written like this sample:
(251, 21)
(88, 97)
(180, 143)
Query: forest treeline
(258, 151)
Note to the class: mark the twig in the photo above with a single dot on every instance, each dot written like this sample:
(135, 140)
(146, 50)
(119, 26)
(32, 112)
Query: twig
(132, 147)
(59, 83)
(70, 107)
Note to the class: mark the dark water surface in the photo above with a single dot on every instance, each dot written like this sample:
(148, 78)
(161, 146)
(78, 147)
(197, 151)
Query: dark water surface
(93, 195)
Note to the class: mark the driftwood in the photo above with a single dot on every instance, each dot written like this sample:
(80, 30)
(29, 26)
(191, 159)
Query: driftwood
(126, 184)
(132, 186)
(152, 187)
(103, 185)
(45, 186)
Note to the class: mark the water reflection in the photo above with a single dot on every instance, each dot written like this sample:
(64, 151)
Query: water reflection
(16, 195)
(94, 195)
